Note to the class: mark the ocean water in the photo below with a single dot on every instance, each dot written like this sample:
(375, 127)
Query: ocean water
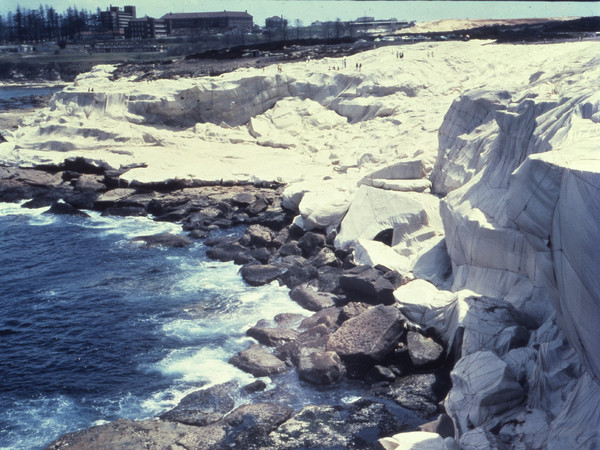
(12, 96)
(95, 328)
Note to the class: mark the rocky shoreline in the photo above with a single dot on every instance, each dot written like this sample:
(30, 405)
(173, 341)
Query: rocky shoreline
(356, 332)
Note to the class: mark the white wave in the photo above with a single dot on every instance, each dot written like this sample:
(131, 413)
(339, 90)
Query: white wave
(128, 227)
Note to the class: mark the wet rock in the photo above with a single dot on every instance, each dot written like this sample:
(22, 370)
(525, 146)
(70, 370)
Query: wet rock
(164, 240)
(257, 207)
(297, 271)
(288, 320)
(423, 351)
(367, 285)
(257, 361)
(255, 386)
(124, 211)
(204, 406)
(290, 248)
(320, 367)
(369, 337)
(230, 252)
(353, 309)
(259, 274)
(418, 392)
(272, 337)
(258, 236)
(311, 299)
(328, 317)
(311, 243)
(90, 183)
(243, 199)
(380, 373)
(249, 425)
(143, 434)
(61, 208)
(325, 257)
(357, 426)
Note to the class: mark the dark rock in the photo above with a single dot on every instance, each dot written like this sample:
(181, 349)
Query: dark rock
(312, 339)
(221, 240)
(328, 317)
(368, 338)
(380, 373)
(249, 425)
(396, 278)
(275, 219)
(290, 248)
(86, 165)
(353, 309)
(311, 299)
(443, 426)
(258, 236)
(69, 175)
(423, 351)
(257, 361)
(131, 434)
(272, 337)
(255, 386)
(243, 199)
(230, 252)
(164, 240)
(298, 271)
(197, 234)
(368, 285)
(259, 274)
(262, 255)
(39, 202)
(418, 392)
(320, 367)
(257, 207)
(124, 211)
(356, 426)
(288, 320)
(205, 406)
(90, 183)
(329, 280)
(200, 219)
(311, 243)
(65, 209)
(324, 257)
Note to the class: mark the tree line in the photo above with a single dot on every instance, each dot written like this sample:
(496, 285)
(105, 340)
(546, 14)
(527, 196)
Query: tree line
(46, 24)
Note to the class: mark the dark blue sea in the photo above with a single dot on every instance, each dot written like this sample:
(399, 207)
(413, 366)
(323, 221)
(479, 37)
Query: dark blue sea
(95, 328)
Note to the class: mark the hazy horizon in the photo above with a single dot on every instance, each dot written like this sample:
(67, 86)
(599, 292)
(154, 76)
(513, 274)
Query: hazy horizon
(308, 11)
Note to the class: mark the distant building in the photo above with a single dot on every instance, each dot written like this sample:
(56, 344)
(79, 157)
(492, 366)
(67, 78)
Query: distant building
(208, 21)
(146, 28)
(275, 23)
(116, 20)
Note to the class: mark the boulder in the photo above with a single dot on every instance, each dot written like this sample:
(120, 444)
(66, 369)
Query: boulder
(369, 337)
(124, 211)
(259, 274)
(367, 285)
(90, 183)
(296, 270)
(230, 252)
(443, 426)
(164, 240)
(420, 393)
(272, 337)
(423, 351)
(320, 367)
(355, 426)
(258, 236)
(257, 361)
(311, 243)
(311, 299)
(204, 406)
(328, 317)
(65, 209)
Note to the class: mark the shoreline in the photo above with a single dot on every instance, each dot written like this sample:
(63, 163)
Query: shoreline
(268, 224)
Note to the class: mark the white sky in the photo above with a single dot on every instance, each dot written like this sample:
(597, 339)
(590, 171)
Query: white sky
(310, 10)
